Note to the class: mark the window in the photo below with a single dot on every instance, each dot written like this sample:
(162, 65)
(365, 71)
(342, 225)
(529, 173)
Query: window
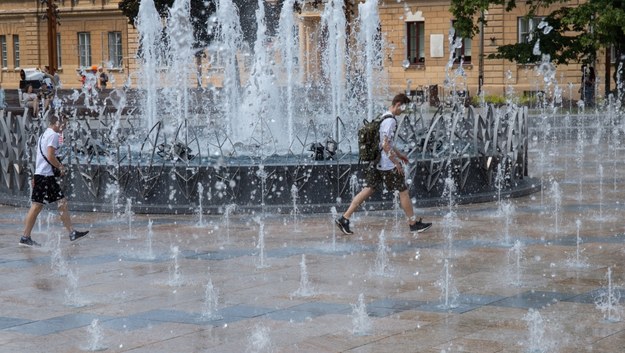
(464, 52)
(526, 27)
(115, 49)
(84, 49)
(16, 51)
(58, 51)
(415, 42)
(3, 52)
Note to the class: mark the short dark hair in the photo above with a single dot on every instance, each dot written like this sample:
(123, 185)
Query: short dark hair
(55, 118)
(401, 98)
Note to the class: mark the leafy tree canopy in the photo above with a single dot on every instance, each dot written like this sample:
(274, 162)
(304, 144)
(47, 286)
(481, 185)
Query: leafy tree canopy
(201, 11)
(578, 31)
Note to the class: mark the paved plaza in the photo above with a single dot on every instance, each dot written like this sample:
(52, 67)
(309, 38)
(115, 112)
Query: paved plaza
(518, 276)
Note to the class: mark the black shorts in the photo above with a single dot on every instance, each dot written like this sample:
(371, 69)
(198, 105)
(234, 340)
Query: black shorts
(46, 189)
(392, 179)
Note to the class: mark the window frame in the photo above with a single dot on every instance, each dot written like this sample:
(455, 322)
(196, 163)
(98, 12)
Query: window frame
(115, 49)
(531, 23)
(16, 51)
(84, 49)
(461, 52)
(59, 61)
(4, 58)
(416, 56)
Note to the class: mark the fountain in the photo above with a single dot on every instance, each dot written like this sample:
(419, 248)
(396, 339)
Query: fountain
(209, 306)
(95, 337)
(381, 266)
(515, 256)
(305, 289)
(608, 300)
(260, 245)
(361, 322)
(536, 327)
(232, 139)
(175, 276)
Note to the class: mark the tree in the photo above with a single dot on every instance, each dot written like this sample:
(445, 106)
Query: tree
(201, 10)
(578, 32)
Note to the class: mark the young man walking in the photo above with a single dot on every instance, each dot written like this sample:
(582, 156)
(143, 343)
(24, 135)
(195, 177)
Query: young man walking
(388, 171)
(46, 188)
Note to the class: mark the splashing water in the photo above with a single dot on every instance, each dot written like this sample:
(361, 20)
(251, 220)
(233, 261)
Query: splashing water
(507, 212)
(262, 263)
(515, 255)
(210, 305)
(449, 293)
(608, 301)
(57, 261)
(228, 210)
(295, 212)
(259, 341)
(72, 294)
(334, 215)
(536, 327)
(175, 276)
(381, 265)
(361, 321)
(305, 288)
(200, 211)
(556, 195)
(95, 337)
(578, 261)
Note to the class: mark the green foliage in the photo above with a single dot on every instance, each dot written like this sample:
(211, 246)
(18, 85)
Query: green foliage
(201, 10)
(578, 31)
(489, 99)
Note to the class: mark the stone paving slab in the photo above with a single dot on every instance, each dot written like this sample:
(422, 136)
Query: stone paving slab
(145, 280)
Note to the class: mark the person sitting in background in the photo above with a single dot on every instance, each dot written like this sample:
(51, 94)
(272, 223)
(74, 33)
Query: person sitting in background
(46, 95)
(30, 100)
(103, 78)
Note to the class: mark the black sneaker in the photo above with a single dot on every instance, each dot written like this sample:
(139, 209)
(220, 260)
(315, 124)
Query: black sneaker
(28, 241)
(420, 226)
(343, 224)
(75, 235)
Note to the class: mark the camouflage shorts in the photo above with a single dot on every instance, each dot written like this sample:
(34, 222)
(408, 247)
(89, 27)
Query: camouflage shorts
(391, 179)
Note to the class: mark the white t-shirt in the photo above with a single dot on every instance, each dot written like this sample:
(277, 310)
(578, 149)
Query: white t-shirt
(387, 129)
(49, 138)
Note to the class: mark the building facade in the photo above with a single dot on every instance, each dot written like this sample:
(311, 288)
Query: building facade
(90, 33)
(418, 49)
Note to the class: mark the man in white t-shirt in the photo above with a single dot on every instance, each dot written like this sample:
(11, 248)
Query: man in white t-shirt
(388, 171)
(46, 188)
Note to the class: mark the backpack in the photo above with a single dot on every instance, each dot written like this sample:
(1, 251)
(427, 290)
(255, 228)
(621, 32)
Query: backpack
(369, 138)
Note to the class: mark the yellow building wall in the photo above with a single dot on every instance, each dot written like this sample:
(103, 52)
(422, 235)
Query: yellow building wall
(98, 17)
(25, 18)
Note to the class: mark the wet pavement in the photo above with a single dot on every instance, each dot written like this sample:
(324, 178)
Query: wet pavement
(525, 275)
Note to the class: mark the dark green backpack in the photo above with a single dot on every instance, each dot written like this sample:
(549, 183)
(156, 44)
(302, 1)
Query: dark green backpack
(369, 138)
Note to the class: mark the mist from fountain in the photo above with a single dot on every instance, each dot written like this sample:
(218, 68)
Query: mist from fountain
(361, 322)
(578, 261)
(381, 265)
(305, 288)
(515, 257)
(259, 340)
(211, 302)
(95, 337)
(149, 27)
(73, 296)
(175, 275)
(608, 300)
(260, 245)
